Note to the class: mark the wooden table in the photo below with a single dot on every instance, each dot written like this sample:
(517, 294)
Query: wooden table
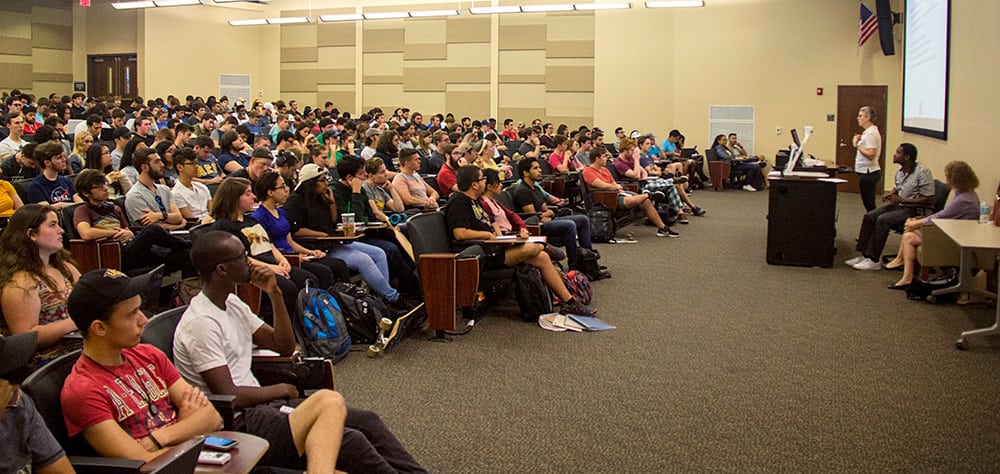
(536, 239)
(244, 457)
(971, 236)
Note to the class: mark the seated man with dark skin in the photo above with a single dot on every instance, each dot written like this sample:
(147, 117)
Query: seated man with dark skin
(467, 220)
(212, 348)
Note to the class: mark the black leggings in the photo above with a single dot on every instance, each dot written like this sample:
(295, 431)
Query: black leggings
(868, 184)
(152, 246)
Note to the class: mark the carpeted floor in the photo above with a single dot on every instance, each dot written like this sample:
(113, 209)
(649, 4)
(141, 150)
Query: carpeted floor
(720, 363)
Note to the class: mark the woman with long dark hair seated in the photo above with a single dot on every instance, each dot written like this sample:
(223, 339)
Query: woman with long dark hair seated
(965, 205)
(99, 158)
(755, 178)
(272, 192)
(312, 211)
(233, 200)
(36, 277)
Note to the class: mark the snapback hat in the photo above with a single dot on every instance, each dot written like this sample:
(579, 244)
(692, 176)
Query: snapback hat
(16, 351)
(372, 132)
(309, 171)
(98, 290)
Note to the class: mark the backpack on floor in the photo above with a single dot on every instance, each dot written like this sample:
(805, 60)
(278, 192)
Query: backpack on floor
(587, 262)
(602, 223)
(322, 325)
(531, 292)
(362, 311)
(578, 285)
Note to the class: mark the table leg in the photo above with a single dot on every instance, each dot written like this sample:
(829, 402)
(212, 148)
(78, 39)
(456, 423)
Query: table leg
(994, 329)
(964, 275)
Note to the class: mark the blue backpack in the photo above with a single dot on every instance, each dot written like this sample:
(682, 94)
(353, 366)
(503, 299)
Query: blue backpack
(321, 326)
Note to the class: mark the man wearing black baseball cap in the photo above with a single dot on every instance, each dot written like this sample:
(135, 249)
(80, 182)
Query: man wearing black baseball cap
(126, 398)
(27, 444)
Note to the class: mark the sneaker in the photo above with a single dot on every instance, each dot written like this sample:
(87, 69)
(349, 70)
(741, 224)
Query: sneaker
(657, 196)
(854, 261)
(683, 220)
(747, 187)
(698, 211)
(868, 265)
(666, 232)
(680, 180)
(575, 307)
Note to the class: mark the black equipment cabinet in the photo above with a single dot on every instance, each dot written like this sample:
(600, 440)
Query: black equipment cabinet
(801, 222)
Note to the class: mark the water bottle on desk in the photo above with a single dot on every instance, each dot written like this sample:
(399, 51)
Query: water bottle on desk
(984, 213)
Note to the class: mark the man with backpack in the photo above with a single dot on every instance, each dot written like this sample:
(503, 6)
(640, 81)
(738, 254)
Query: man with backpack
(467, 220)
(212, 350)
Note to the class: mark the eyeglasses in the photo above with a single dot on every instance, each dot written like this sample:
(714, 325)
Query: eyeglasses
(283, 186)
(244, 256)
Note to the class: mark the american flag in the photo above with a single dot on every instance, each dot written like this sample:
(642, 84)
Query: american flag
(867, 26)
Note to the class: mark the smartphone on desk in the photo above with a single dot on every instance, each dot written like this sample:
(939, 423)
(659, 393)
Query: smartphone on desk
(220, 444)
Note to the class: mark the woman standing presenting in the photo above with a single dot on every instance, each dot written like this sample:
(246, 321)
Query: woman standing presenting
(868, 144)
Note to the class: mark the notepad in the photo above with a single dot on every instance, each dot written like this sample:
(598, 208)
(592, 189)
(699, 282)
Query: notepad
(590, 323)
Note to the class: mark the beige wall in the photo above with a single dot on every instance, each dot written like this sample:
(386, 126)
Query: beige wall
(36, 45)
(653, 69)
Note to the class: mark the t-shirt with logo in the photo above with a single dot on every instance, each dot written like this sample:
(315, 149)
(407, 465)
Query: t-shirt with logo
(51, 191)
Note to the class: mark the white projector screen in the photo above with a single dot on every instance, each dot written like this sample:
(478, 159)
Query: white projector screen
(925, 67)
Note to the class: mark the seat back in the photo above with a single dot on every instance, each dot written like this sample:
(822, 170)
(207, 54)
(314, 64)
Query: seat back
(710, 154)
(21, 187)
(546, 167)
(428, 232)
(44, 387)
(941, 191)
(159, 331)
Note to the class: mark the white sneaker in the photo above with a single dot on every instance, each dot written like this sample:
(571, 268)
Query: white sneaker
(747, 187)
(867, 264)
(854, 261)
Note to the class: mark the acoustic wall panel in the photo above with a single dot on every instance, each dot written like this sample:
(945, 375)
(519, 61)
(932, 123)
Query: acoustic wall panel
(304, 54)
(15, 46)
(468, 29)
(416, 52)
(336, 34)
(36, 44)
(522, 37)
(298, 36)
(382, 41)
(336, 56)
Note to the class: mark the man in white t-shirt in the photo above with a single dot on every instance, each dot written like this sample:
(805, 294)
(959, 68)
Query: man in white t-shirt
(191, 197)
(868, 144)
(11, 145)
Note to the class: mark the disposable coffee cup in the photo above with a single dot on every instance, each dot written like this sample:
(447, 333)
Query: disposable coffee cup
(348, 221)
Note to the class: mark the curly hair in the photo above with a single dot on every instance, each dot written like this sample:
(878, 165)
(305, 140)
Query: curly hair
(960, 176)
(18, 253)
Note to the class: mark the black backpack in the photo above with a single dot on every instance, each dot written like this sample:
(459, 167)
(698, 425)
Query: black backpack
(531, 292)
(588, 263)
(362, 311)
(602, 223)
(321, 324)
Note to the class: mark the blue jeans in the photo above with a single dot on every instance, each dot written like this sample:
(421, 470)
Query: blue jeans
(371, 262)
(574, 231)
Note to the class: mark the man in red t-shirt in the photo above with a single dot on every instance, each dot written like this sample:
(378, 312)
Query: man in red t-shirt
(447, 183)
(598, 177)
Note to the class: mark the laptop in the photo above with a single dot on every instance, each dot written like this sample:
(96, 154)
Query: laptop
(689, 152)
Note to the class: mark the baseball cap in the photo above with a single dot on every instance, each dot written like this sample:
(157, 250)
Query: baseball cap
(98, 290)
(372, 132)
(308, 172)
(635, 135)
(16, 351)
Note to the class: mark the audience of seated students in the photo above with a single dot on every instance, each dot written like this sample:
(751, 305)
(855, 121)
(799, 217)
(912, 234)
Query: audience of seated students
(272, 193)
(505, 221)
(531, 147)
(99, 159)
(232, 158)
(741, 154)
(231, 209)
(36, 275)
(413, 191)
(964, 205)
(50, 186)
(573, 229)
(149, 202)
(481, 154)
(664, 190)
(598, 177)
(209, 171)
(11, 145)
(28, 445)
(562, 160)
(192, 198)
(212, 348)
(914, 187)
(349, 198)
(755, 177)
(20, 166)
(467, 220)
(383, 199)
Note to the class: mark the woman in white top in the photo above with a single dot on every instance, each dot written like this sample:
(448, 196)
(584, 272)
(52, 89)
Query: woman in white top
(868, 144)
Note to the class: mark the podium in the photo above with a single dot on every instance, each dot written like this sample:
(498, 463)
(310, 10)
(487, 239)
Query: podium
(801, 222)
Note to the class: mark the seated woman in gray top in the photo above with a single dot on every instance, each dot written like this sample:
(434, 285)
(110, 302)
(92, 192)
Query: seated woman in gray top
(965, 205)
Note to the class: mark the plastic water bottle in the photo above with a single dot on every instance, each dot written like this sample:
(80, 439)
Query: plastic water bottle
(984, 213)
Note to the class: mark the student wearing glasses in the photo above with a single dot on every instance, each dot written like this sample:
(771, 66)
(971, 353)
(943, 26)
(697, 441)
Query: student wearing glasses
(149, 202)
(193, 198)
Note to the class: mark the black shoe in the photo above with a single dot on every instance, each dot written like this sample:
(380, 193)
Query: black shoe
(903, 287)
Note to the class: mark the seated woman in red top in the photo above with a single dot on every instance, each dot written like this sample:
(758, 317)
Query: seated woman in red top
(561, 160)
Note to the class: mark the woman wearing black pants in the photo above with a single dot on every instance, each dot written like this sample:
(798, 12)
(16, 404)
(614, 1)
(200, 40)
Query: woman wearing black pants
(868, 144)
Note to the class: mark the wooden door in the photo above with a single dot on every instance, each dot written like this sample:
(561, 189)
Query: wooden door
(849, 100)
(112, 74)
